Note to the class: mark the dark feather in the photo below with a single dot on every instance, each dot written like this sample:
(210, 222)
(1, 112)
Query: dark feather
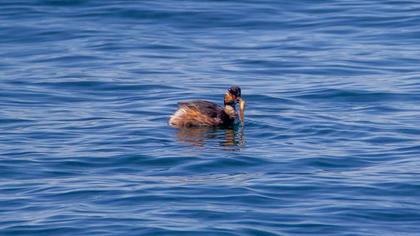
(209, 109)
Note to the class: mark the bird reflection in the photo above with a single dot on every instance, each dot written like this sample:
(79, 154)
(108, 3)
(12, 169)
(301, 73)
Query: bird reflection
(232, 138)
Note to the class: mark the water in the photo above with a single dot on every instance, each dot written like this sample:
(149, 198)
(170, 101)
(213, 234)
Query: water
(331, 141)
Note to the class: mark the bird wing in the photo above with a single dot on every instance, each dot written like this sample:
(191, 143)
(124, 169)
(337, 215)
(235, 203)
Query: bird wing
(206, 108)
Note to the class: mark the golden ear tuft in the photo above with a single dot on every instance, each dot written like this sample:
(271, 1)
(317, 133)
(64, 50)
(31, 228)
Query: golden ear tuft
(229, 99)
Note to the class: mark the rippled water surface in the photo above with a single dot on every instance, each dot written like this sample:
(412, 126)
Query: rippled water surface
(331, 141)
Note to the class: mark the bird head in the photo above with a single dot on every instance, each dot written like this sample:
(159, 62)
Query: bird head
(232, 97)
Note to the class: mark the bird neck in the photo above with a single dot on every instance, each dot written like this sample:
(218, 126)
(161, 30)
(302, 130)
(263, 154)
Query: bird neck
(230, 111)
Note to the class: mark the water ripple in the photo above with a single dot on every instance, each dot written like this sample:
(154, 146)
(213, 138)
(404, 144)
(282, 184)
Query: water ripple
(330, 141)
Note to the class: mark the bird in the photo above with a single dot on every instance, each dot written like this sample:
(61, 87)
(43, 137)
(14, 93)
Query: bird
(201, 113)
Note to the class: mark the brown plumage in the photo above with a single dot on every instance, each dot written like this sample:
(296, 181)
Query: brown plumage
(199, 113)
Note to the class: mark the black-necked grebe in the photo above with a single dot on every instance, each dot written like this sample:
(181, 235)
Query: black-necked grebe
(199, 113)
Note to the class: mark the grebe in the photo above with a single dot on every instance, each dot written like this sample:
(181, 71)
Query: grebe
(199, 113)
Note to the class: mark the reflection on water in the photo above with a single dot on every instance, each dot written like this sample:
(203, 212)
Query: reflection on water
(229, 137)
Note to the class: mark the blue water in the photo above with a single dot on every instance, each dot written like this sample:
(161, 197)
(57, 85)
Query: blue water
(331, 143)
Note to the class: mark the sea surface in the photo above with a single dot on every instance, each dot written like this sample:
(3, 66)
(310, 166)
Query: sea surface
(330, 145)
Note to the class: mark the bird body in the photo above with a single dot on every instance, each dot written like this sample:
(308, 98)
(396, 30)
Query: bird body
(199, 113)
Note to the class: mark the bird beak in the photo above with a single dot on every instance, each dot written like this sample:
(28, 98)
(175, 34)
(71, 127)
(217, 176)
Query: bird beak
(242, 110)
